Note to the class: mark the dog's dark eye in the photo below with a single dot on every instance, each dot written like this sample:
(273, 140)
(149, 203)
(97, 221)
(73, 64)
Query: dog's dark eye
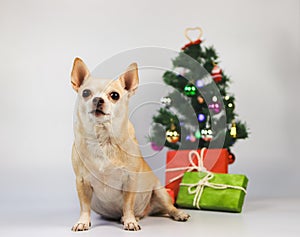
(114, 95)
(86, 93)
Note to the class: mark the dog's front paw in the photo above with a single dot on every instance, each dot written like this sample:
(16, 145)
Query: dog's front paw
(131, 225)
(180, 215)
(81, 226)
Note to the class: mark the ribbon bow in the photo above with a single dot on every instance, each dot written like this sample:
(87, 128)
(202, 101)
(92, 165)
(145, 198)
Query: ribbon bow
(193, 167)
(198, 188)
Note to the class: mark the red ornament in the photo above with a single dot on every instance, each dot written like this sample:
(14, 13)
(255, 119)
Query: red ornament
(231, 158)
(216, 74)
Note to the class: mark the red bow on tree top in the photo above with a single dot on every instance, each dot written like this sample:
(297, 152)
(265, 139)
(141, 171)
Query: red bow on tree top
(198, 41)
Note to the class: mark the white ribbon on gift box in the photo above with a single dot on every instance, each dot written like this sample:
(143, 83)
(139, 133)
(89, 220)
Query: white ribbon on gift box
(193, 167)
(198, 188)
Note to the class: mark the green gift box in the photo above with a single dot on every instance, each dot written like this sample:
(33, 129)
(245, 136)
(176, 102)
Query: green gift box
(211, 191)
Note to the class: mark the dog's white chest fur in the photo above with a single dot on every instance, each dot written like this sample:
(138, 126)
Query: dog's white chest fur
(109, 178)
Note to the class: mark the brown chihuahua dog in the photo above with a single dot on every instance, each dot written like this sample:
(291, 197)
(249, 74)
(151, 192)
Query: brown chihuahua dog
(112, 178)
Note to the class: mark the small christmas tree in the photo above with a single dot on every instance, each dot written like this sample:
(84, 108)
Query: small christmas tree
(199, 112)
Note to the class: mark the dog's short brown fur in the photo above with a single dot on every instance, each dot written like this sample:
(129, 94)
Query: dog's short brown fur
(112, 178)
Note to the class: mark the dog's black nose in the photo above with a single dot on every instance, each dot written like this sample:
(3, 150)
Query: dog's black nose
(97, 101)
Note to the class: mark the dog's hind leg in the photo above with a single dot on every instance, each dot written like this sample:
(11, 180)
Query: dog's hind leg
(161, 203)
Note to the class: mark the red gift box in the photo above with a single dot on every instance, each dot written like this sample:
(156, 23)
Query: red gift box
(178, 162)
(171, 193)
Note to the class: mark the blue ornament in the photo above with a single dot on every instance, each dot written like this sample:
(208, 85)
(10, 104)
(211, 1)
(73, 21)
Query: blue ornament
(200, 83)
(201, 117)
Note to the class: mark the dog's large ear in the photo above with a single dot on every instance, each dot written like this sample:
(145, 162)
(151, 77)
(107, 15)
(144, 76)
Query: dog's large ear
(79, 73)
(130, 78)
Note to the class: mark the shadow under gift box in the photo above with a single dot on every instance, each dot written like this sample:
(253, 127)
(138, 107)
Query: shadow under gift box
(214, 160)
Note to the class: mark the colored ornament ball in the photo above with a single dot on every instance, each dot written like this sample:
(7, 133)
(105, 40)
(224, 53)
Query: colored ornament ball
(231, 105)
(192, 138)
(216, 74)
(200, 83)
(216, 107)
(156, 147)
(190, 90)
(229, 102)
(231, 158)
(207, 134)
(198, 134)
(200, 99)
(166, 101)
(201, 117)
(172, 136)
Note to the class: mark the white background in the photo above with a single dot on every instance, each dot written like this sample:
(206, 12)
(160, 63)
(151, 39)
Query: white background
(258, 44)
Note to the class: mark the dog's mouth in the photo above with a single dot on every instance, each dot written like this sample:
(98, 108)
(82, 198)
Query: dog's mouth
(98, 112)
